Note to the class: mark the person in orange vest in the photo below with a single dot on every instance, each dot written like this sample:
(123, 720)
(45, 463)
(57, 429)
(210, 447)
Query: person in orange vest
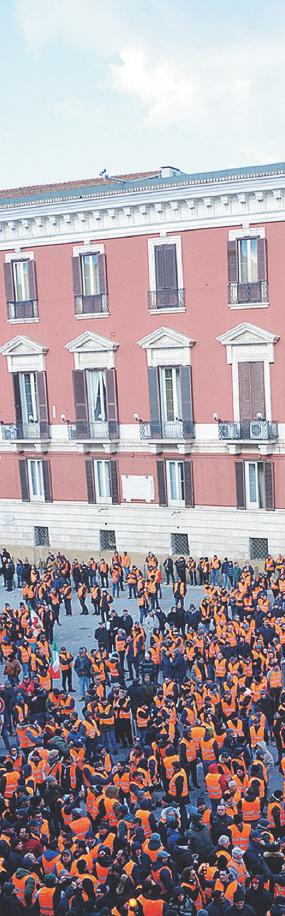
(82, 595)
(48, 896)
(103, 572)
(66, 592)
(178, 791)
(65, 661)
(276, 814)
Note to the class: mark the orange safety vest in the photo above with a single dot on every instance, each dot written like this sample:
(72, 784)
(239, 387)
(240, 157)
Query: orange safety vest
(80, 827)
(250, 810)
(207, 750)
(270, 813)
(172, 790)
(212, 781)
(240, 837)
(45, 900)
(12, 781)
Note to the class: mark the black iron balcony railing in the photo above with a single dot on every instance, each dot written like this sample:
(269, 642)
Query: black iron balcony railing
(26, 309)
(91, 305)
(251, 430)
(102, 429)
(166, 298)
(248, 292)
(22, 431)
(178, 429)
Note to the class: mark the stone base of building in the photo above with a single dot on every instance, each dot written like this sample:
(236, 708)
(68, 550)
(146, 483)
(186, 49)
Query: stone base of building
(82, 530)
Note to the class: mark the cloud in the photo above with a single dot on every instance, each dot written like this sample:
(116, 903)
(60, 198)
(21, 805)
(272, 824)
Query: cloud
(89, 24)
(163, 91)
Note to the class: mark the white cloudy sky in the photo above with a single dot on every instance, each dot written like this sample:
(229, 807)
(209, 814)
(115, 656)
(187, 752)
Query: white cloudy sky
(129, 85)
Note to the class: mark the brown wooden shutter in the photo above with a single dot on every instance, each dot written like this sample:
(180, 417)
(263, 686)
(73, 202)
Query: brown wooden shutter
(80, 401)
(251, 390)
(24, 480)
(112, 403)
(90, 481)
(188, 484)
(41, 382)
(165, 267)
(114, 480)
(257, 389)
(102, 273)
(154, 402)
(47, 482)
(159, 267)
(161, 483)
(232, 262)
(261, 259)
(9, 281)
(77, 276)
(269, 485)
(17, 398)
(240, 484)
(32, 279)
(186, 398)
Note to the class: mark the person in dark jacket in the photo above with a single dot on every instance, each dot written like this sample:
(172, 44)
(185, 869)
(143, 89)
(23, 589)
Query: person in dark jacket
(168, 566)
(239, 905)
(219, 905)
(178, 667)
(102, 636)
(254, 858)
(180, 565)
(200, 840)
(257, 897)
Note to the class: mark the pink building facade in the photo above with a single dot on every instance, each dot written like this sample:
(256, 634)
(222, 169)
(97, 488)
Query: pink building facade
(142, 354)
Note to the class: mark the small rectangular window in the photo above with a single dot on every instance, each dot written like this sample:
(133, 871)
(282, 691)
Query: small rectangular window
(255, 484)
(180, 544)
(102, 481)
(21, 280)
(175, 482)
(248, 269)
(41, 535)
(258, 548)
(170, 394)
(96, 395)
(36, 481)
(107, 539)
(90, 274)
(28, 395)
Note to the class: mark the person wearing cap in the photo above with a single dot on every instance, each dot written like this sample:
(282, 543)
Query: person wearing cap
(239, 904)
(161, 873)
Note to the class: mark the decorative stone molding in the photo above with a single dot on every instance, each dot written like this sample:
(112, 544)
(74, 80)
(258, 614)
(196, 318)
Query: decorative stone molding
(24, 355)
(166, 347)
(91, 351)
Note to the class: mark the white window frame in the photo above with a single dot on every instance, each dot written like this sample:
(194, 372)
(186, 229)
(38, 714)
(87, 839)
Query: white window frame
(102, 381)
(248, 240)
(35, 416)
(236, 235)
(176, 390)
(39, 496)
(178, 483)
(253, 504)
(152, 244)
(107, 499)
(18, 267)
(94, 275)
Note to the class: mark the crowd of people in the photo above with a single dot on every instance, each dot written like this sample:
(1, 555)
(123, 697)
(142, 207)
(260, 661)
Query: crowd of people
(158, 791)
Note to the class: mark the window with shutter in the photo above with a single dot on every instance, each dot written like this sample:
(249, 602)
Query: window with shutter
(166, 293)
(46, 469)
(114, 481)
(259, 485)
(80, 402)
(39, 480)
(90, 283)
(247, 271)
(112, 404)
(42, 399)
(20, 288)
(251, 391)
(90, 481)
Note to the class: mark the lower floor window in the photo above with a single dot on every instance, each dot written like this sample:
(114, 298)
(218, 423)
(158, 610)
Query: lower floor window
(102, 480)
(36, 481)
(41, 536)
(255, 484)
(175, 482)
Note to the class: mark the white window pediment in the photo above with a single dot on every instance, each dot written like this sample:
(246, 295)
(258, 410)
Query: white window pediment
(24, 354)
(247, 341)
(91, 351)
(164, 346)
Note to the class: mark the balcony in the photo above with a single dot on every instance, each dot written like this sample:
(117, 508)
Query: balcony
(165, 299)
(249, 430)
(248, 293)
(91, 305)
(21, 311)
(26, 431)
(178, 429)
(102, 430)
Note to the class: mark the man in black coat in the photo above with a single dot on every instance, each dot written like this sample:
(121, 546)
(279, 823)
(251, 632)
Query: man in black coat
(257, 897)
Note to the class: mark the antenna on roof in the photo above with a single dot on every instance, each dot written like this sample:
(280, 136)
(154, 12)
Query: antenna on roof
(107, 177)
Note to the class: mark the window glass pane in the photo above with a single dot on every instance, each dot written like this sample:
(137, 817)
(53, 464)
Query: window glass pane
(103, 482)
(90, 274)
(181, 480)
(36, 479)
(248, 260)
(252, 482)
(97, 395)
(261, 486)
(172, 480)
(33, 477)
(21, 280)
(29, 398)
(107, 479)
(100, 479)
(169, 395)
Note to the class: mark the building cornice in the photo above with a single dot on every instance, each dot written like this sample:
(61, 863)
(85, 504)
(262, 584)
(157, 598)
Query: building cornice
(231, 202)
